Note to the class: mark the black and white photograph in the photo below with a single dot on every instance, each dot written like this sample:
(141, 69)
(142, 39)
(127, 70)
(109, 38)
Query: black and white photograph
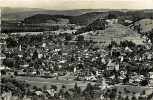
(76, 49)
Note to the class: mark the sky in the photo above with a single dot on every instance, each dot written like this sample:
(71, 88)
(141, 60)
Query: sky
(79, 4)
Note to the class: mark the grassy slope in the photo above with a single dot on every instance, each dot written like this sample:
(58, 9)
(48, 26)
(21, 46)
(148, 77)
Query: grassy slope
(115, 32)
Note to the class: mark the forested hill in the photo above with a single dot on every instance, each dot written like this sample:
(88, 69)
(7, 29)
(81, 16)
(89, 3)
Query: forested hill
(79, 16)
(88, 18)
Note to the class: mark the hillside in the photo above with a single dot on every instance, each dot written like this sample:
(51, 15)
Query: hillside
(80, 16)
(84, 17)
(88, 18)
(98, 24)
(144, 25)
(115, 32)
(45, 18)
(9, 13)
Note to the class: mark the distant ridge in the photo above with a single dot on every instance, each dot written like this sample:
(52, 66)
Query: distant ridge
(87, 18)
(9, 13)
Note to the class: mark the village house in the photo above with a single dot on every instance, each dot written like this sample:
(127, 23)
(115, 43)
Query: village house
(151, 75)
(112, 21)
(112, 65)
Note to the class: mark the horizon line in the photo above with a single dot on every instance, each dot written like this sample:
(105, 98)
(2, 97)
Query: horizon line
(79, 8)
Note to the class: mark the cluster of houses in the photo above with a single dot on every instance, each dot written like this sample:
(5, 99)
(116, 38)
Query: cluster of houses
(52, 58)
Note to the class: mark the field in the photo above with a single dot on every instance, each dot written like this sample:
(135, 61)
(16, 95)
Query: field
(116, 32)
(134, 89)
(40, 82)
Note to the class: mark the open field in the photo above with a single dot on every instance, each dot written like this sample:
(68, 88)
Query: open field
(40, 82)
(115, 32)
(135, 89)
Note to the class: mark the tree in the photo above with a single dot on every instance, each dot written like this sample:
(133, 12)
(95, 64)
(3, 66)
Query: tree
(11, 42)
(16, 87)
(68, 37)
(62, 90)
(67, 95)
(44, 87)
(127, 43)
(112, 16)
(143, 92)
(80, 38)
(112, 94)
(77, 90)
(3, 72)
(144, 82)
(9, 62)
(119, 96)
(113, 43)
(63, 87)
(54, 87)
(133, 98)
(88, 92)
(127, 98)
(150, 36)
(126, 80)
(35, 54)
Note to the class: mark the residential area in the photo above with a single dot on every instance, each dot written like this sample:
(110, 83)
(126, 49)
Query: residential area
(105, 60)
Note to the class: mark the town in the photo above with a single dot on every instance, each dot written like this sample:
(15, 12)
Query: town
(78, 62)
